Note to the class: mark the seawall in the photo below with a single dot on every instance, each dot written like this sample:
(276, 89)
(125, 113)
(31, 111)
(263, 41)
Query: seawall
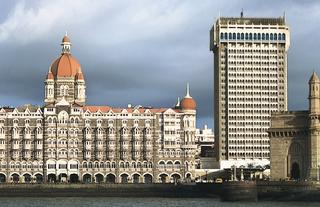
(107, 190)
(228, 191)
(270, 191)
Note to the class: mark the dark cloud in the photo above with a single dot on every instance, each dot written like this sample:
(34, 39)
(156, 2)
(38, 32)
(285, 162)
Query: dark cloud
(141, 53)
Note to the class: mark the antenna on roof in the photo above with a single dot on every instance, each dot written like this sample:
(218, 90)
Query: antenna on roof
(241, 14)
(284, 16)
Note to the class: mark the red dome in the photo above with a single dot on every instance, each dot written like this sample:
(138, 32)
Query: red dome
(65, 66)
(187, 103)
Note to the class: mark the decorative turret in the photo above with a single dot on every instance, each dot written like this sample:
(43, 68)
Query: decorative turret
(188, 103)
(66, 44)
(314, 95)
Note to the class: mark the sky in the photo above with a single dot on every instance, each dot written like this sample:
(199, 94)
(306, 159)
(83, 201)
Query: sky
(141, 52)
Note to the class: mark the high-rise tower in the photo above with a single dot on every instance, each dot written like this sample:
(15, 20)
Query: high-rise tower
(250, 82)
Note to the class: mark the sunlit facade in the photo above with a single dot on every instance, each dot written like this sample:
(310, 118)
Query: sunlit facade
(66, 140)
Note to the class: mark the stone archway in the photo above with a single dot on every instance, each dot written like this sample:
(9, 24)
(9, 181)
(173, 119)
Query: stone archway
(163, 178)
(63, 177)
(87, 178)
(111, 178)
(147, 178)
(136, 178)
(295, 161)
(27, 178)
(176, 178)
(15, 178)
(124, 178)
(52, 178)
(2, 178)
(74, 178)
(98, 178)
(295, 171)
(38, 178)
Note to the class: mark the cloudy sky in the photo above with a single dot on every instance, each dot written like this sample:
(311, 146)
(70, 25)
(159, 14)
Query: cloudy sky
(140, 52)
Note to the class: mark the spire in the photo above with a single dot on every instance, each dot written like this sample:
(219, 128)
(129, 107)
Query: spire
(188, 91)
(314, 77)
(178, 103)
(66, 44)
(241, 14)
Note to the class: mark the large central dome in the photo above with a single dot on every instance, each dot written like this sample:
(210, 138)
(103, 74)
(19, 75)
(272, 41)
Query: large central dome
(66, 65)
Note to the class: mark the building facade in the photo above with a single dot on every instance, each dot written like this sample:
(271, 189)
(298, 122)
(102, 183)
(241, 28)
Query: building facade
(66, 140)
(205, 148)
(205, 141)
(295, 140)
(250, 82)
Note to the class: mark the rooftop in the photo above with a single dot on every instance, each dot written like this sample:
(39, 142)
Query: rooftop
(250, 21)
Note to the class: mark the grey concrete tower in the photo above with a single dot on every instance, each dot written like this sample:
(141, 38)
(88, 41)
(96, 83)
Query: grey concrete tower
(250, 82)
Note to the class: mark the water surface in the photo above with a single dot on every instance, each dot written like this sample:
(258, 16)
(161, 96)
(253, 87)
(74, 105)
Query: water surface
(137, 202)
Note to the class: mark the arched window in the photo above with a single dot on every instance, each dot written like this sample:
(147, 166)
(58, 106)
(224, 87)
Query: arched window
(225, 35)
(221, 36)
(271, 36)
(263, 36)
(247, 36)
(230, 36)
(242, 36)
(275, 36)
(259, 36)
(255, 36)
(234, 36)
(250, 36)
(66, 90)
(267, 36)
(283, 36)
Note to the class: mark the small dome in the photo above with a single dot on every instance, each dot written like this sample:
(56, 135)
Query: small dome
(50, 76)
(65, 39)
(187, 103)
(65, 66)
(79, 76)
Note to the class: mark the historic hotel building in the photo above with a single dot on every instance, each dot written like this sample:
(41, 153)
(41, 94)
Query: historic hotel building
(250, 82)
(67, 140)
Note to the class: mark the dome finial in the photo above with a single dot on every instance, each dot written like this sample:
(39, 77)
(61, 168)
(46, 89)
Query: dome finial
(188, 91)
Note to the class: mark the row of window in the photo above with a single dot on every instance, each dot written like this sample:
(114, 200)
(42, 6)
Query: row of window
(252, 36)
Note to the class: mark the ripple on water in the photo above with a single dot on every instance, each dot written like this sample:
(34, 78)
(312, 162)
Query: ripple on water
(137, 202)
